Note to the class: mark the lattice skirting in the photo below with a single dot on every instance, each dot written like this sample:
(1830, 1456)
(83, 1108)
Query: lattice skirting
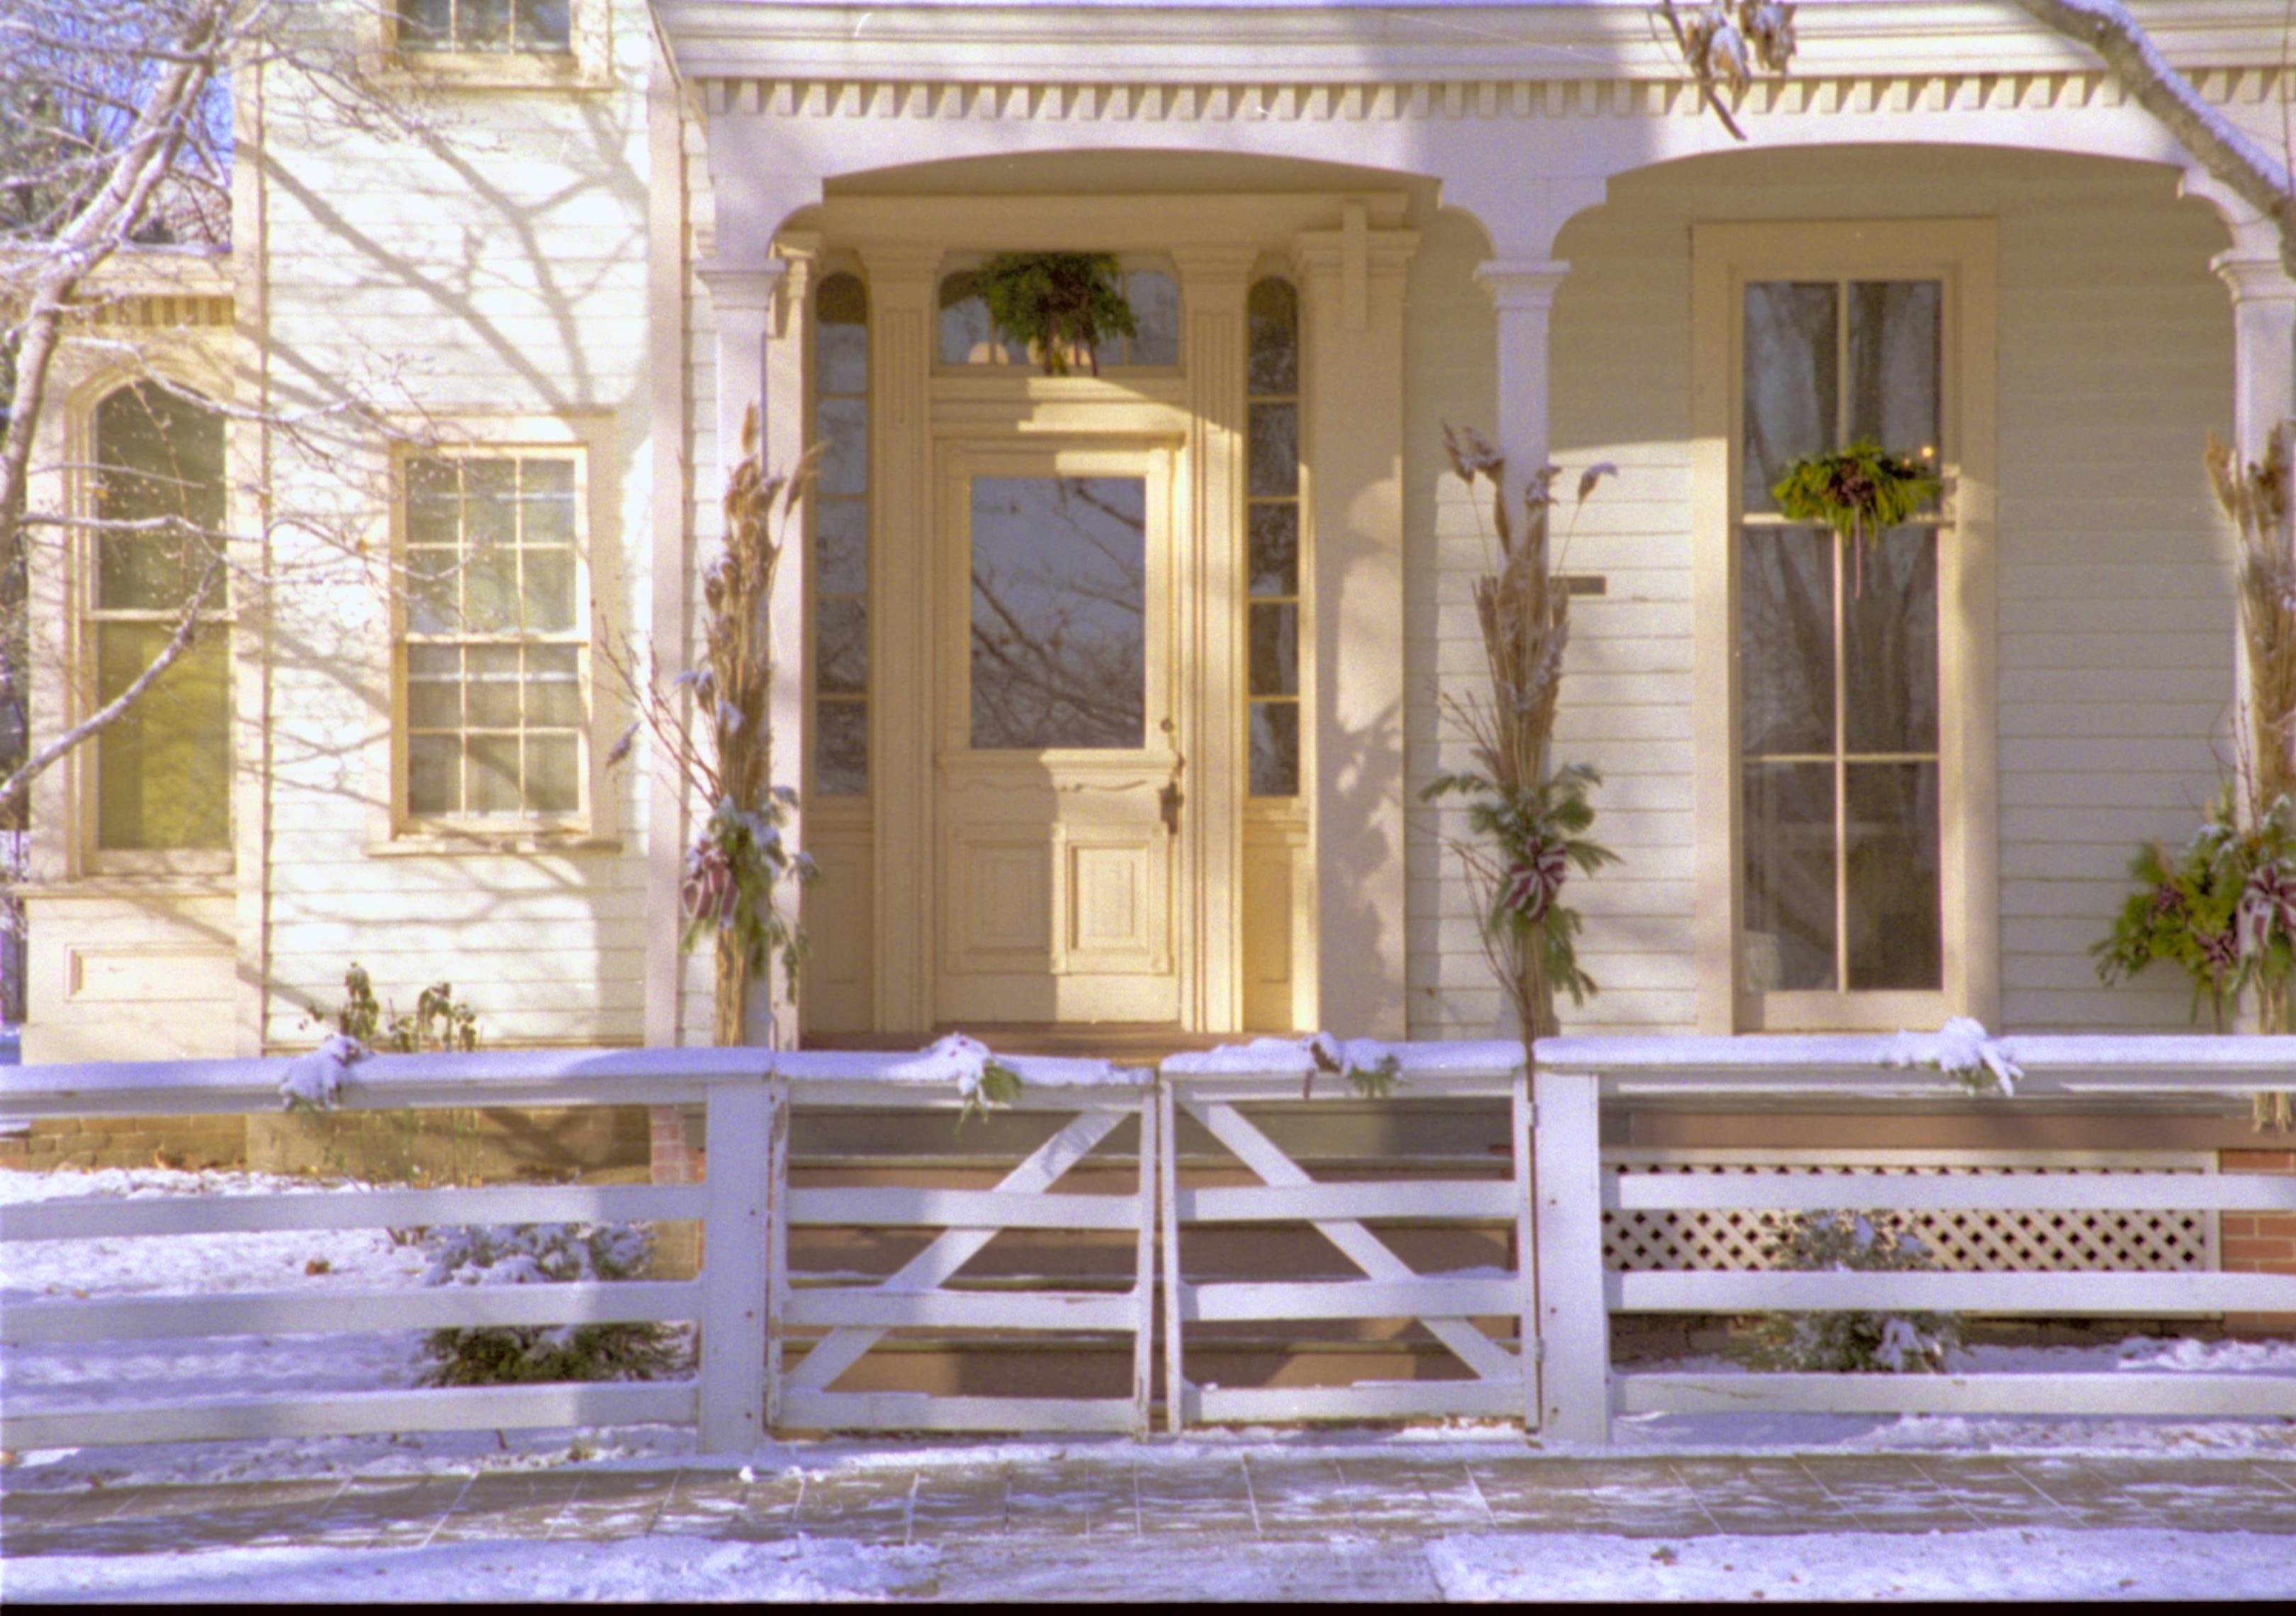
(2033, 1241)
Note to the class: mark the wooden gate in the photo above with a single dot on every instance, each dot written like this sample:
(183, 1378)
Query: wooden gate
(927, 1299)
(1499, 1380)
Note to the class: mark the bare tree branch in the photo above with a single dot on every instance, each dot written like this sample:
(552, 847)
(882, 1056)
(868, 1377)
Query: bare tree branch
(2254, 175)
(187, 632)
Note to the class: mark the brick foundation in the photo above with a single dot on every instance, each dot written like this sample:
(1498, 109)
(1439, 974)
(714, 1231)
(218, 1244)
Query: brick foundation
(88, 1142)
(677, 1159)
(2251, 1243)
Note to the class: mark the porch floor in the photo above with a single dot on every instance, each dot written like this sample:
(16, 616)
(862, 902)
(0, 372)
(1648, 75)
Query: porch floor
(1126, 1043)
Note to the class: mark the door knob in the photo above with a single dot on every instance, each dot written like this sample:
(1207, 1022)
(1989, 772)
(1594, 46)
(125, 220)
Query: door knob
(1169, 800)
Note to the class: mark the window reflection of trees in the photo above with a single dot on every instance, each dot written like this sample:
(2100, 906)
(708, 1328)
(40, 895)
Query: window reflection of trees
(1059, 607)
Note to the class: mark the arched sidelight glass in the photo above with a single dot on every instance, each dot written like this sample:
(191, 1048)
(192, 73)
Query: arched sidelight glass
(966, 336)
(841, 540)
(1271, 375)
(163, 768)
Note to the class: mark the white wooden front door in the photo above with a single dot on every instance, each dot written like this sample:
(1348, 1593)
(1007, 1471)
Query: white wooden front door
(1058, 788)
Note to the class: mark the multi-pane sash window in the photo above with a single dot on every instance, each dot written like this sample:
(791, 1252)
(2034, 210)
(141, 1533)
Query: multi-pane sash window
(163, 768)
(495, 642)
(1839, 746)
(841, 540)
(484, 25)
(1272, 376)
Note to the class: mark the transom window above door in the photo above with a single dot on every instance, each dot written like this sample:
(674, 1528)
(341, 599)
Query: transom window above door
(967, 337)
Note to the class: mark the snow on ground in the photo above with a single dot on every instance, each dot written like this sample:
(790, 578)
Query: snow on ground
(805, 1570)
(2011, 1564)
(2004, 1563)
(37, 1377)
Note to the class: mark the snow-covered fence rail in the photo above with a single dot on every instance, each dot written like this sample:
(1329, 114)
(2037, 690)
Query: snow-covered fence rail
(929, 1292)
(725, 1399)
(1577, 1075)
(1213, 1090)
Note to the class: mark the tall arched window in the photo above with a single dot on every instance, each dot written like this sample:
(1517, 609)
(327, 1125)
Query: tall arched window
(841, 540)
(163, 768)
(1272, 377)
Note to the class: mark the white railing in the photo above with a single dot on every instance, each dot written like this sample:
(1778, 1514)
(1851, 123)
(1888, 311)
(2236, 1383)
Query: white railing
(1578, 1295)
(1553, 1295)
(725, 1399)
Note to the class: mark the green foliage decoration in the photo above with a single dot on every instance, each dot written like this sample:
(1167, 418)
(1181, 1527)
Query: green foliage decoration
(1860, 492)
(440, 1023)
(1540, 833)
(1851, 1343)
(1051, 302)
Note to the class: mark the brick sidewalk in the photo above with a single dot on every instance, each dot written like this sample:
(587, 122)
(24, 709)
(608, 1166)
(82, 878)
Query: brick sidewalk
(868, 1495)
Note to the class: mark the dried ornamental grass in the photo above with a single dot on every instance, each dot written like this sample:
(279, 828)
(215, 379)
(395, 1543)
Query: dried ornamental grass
(2255, 496)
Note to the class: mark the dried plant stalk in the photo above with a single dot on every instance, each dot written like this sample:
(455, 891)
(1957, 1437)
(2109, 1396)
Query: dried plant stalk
(2255, 496)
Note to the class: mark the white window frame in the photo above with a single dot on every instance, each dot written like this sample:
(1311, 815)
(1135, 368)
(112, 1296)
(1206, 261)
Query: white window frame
(583, 440)
(1959, 253)
(92, 857)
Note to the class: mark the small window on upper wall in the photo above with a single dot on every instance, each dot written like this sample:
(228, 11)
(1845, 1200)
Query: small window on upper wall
(967, 337)
(538, 26)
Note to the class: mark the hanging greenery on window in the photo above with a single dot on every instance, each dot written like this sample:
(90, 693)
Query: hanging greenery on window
(1054, 303)
(1860, 492)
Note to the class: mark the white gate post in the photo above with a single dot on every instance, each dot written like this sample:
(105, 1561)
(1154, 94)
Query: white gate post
(1574, 1320)
(733, 1277)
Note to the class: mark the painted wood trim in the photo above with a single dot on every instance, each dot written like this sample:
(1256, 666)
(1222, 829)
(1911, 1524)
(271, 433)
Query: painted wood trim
(2188, 1396)
(2075, 1294)
(354, 1414)
(1961, 252)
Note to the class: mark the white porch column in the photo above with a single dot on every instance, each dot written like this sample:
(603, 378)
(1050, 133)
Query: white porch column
(743, 299)
(1523, 290)
(2263, 374)
(2263, 337)
(1352, 453)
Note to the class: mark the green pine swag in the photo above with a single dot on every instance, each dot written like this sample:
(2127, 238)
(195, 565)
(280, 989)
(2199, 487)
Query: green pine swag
(1049, 302)
(1860, 492)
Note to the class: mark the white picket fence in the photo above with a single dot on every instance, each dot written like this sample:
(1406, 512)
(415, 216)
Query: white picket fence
(1554, 1299)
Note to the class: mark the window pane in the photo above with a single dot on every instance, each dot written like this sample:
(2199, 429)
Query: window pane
(1274, 650)
(549, 580)
(434, 775)
(434, 583)
(163, 767)
(840, 749)
(160, 462)
(1274, 749)
(434, 687)
(841, 545)
(490, 589)
(965, 336)
(434, 502)
(1274, 549)
(1785, 640)
(1789, 940)
(548, 490)
(1274, 467)
(1889, 647)
(1894, 930)
(490, 503)
(1059, 604)
(424, 24)
(1790, 386)
(492, 779)
(553, 776)
(1894, 332)
(842, 647)
(553, 685)
(1272, 365)
(544, 24)
(1156, 314)
(485, 24)
(844, 424)
(494, 688)
(840, 349)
